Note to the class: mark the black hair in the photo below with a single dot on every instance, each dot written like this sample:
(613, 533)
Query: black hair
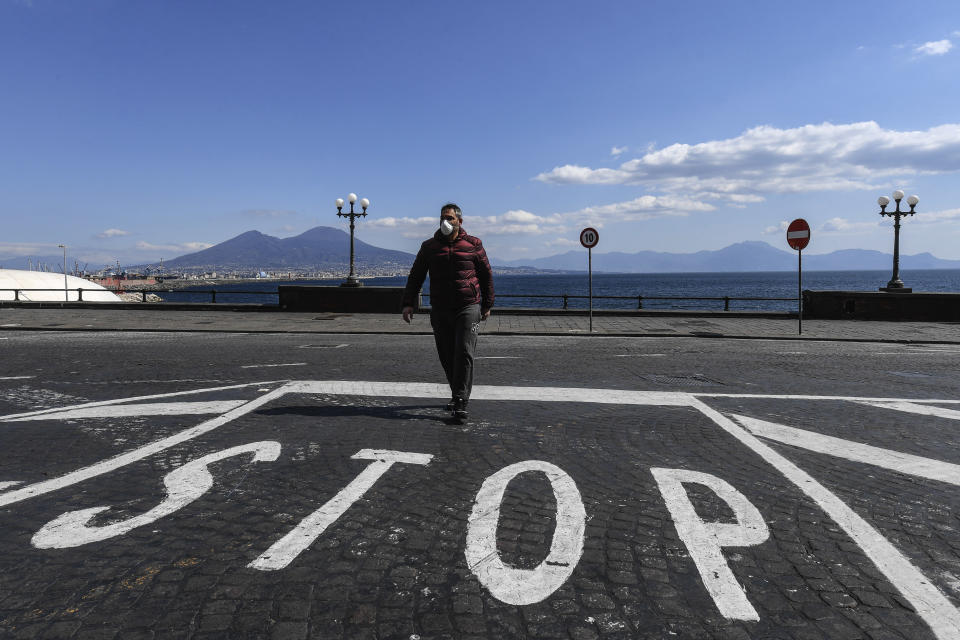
(454, 207)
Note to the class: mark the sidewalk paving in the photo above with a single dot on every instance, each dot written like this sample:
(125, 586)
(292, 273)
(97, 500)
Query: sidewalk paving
(502, 322)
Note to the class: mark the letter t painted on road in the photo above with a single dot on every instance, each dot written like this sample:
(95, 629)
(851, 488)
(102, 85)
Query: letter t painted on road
(284, 550)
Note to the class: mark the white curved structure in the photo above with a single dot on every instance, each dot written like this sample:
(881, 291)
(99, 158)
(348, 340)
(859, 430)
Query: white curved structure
(17, 279)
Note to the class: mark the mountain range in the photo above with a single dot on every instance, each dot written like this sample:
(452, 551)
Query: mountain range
(318, 247)
(328, 247)
(742, 256)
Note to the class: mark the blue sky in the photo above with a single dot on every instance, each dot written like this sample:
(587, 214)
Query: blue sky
(135, 130)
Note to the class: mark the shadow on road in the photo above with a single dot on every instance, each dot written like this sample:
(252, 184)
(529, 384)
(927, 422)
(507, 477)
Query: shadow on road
(409, 412)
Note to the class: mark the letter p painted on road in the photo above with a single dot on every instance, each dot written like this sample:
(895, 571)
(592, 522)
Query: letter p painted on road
(705, 540)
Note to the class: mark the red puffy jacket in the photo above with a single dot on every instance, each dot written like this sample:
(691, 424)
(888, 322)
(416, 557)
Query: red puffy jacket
(460, 274)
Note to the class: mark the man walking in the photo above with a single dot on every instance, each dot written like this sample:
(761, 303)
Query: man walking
(461, 295)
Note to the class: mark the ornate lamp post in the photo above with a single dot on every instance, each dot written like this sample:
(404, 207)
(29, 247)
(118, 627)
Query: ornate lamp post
(352, 280)
(896, 285)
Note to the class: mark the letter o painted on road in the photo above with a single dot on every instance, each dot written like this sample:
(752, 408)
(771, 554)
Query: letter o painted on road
(525, 586)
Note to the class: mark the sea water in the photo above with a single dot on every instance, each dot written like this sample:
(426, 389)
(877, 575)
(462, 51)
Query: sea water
(525, 290)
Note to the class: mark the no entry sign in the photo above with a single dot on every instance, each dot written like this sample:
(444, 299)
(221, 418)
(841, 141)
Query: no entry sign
(798, 234)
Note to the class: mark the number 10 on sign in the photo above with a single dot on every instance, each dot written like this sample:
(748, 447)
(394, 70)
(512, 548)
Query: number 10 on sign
(589, 238)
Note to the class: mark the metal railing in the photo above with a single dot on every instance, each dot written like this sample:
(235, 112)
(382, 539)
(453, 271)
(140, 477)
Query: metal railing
(639, 299)
(564, 297)
(143, 293)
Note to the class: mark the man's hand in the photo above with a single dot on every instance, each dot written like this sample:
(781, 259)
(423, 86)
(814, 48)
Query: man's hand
(484, 314)
(407, 314)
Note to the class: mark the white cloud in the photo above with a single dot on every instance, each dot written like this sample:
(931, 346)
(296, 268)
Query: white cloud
(183, 247)
(516, 222)
(946, 215)
(11, 249)
(521, 222)
(767, 160)
(934, 48)
(562, 242)
(646, 207)
(392, 223)
(842, 226)
(410, 227)
(777, 228)
(616, 151)
(519, 215)
(575, 174)
(112, 233)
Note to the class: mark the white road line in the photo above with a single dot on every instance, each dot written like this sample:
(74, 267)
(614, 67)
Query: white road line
(784, 396)
(497, 358)
(928, 601)
(486, 392)
(912, 353)
(17, 377)
(323, 346)
(150, 409)
(639, 355)
(913, 407)
(855, 451)
(12, 324)
(9, 483)
(260, 366)
(348, 387)
(104, 403)
(140, 453)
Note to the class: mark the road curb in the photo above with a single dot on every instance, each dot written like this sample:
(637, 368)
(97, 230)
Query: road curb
(542, 334)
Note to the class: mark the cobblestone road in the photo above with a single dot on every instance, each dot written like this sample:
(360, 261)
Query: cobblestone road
(176, 486)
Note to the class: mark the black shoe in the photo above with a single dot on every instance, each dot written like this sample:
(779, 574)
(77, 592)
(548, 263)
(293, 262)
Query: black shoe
(452, 404)
(460, 409)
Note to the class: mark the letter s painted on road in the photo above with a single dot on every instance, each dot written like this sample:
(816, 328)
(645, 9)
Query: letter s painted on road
(184, 485)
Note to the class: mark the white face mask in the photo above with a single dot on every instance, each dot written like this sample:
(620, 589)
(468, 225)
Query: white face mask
(446, 228)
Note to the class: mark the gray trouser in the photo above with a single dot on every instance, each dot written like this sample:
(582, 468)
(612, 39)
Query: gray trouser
(455, 332)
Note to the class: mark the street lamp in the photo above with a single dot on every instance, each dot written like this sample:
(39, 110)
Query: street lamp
(66, 296)
(352, 280)
(896, 285)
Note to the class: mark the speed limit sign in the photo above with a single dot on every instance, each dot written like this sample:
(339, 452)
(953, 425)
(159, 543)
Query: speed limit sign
(589, 237)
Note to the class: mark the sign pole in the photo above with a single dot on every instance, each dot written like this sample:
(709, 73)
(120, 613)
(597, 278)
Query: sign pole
(800, 292)
(589, 239)
(590, 279)
(798, 236)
